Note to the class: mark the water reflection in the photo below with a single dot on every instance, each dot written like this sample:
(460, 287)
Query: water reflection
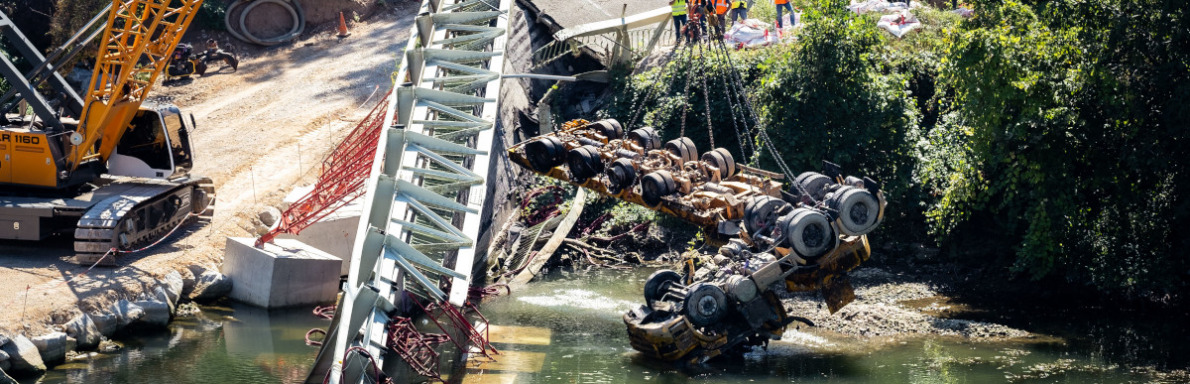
(228, 344)
(241, 344)
(588, 345)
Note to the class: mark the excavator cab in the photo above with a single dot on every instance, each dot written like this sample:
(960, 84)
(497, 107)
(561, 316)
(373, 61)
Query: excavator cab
(157, 145)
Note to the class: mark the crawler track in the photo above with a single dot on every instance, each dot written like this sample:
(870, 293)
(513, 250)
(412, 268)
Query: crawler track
(144, 212)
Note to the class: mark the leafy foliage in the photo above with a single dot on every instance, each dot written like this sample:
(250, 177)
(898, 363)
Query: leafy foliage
(1066, 138)
(1055, 129)
(830, 98)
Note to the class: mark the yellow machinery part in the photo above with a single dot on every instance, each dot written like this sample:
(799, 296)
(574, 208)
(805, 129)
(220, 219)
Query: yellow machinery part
(135, 29)
(32, 151)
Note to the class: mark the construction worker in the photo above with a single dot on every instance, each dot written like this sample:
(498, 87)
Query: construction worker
(678, 8)
(783, 4)
(739, 9)
(721, 7)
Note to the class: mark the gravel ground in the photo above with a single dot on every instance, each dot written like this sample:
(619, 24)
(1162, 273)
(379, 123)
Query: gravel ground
(261, 130)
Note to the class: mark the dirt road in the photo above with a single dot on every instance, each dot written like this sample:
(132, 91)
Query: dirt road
(260, 131)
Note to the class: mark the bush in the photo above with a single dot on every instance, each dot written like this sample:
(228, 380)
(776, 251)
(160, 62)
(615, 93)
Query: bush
(1066, 139)
(829, 97)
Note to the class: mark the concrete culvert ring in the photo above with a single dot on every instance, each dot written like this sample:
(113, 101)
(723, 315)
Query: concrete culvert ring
(273, 21)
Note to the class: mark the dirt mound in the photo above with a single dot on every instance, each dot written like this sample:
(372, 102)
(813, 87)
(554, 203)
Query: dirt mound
(326, 11)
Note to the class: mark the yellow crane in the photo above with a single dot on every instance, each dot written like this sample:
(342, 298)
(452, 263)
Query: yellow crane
(110, 168)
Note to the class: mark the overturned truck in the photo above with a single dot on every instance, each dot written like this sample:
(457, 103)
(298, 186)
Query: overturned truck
(799, 237)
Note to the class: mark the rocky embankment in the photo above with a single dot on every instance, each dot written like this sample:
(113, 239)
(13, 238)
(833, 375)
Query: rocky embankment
(77, 331)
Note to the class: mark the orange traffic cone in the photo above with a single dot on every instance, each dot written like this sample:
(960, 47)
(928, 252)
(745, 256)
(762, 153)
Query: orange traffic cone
(343, 27)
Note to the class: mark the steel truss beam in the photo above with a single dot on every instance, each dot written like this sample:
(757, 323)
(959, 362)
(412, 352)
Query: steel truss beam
(426, 189)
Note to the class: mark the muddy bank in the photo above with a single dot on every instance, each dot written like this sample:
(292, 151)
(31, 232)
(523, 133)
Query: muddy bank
(891, 304)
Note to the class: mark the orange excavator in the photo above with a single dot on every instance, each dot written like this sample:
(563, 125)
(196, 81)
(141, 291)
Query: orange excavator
(110, 168)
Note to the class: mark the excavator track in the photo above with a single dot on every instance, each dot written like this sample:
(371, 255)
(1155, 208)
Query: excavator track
(145, 212)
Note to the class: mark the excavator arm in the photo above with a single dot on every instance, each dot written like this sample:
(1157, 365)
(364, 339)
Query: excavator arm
(137, 43)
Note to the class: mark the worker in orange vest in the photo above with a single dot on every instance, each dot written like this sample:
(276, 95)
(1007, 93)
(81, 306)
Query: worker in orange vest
(721, 7)
(782, 4)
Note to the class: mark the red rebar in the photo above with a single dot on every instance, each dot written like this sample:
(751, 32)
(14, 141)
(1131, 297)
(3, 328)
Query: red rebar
(416, 348)
(548, 210)
(457, 321)
(344, 173)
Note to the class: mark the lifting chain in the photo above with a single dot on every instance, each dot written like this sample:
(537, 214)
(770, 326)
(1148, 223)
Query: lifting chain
(706, 96)
(638, 105)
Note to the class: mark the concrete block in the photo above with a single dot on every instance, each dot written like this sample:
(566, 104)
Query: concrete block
(333, 234)
(286, 273)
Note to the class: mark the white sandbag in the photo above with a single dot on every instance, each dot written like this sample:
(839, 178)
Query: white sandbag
(899, 24)
(868, 6)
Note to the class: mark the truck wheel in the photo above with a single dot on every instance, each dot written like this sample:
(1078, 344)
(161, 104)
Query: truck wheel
(706, 305)
(545, 153)
(655, 186)
(808, 232)
(621, 175)
(584, 162)
(813, 183)
(683, 148)
(609, 128)
(646, 137)
(761, 213)
(858, 210)
(720, 158)
(658, 284)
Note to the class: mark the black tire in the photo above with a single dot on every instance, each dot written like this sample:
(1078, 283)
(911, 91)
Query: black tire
(683, 148)
(659, 283)
(545, 154)
(584, 163)
(808, 232)
(609, 128)
(858, 209)
(730, 160)
(655, 186)
(200, 68)
(690, 149)
(646, 137)
(706, 305)
(720, 158)
(621, 175)
(761, 214)
(813, 183)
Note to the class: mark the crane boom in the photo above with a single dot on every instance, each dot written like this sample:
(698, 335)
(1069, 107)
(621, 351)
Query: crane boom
(137, 43)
